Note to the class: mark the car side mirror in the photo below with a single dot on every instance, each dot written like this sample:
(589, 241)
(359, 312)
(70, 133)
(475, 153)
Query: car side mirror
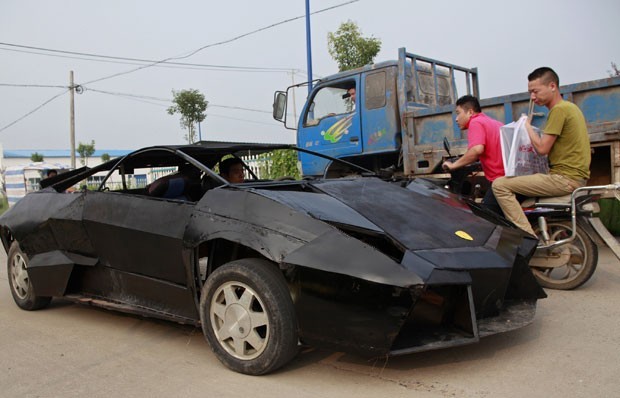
(279, 106)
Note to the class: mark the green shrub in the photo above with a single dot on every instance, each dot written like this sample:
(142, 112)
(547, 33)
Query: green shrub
(610, 215)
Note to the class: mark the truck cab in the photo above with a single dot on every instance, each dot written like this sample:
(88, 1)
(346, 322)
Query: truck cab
(342, 125)
(367, 128)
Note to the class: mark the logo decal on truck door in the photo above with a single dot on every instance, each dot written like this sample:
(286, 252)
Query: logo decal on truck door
(338, 129)
(375, 137)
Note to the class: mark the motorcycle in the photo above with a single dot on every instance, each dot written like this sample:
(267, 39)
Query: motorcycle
(568, 229)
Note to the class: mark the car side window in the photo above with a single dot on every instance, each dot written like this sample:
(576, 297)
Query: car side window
(155, 173)
(122, 180)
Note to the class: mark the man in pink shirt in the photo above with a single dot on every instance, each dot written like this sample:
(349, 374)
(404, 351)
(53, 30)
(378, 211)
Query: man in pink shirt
(483, 144)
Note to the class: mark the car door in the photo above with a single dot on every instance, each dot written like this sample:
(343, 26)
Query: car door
(139, 243)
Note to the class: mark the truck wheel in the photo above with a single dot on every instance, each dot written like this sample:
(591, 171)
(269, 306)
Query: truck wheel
(19, 281)
(248, 317)
(580, 258)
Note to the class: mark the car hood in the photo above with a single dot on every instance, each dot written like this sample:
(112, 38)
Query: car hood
(413, 220)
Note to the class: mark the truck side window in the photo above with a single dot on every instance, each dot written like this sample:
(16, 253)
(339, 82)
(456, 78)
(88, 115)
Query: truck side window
(328, 101)
(375, 90)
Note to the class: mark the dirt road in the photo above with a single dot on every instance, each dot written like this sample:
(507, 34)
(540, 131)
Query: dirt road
(68, 350)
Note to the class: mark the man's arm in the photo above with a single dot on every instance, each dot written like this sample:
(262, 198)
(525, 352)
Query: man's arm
(543, 143)
(469, 157)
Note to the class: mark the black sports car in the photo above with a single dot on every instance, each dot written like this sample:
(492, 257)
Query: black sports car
(348, 262)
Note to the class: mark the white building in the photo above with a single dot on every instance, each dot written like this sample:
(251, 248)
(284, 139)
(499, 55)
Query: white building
(21, 175)
(17, 157)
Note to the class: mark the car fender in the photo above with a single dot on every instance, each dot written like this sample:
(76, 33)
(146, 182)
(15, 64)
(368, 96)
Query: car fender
(49, 272)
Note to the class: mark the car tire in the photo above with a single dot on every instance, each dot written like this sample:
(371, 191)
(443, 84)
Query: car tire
(19, 281)
(248, 317)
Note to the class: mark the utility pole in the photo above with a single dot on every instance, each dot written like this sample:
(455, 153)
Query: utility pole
(72, 118)
(308, 47)
(294, 105)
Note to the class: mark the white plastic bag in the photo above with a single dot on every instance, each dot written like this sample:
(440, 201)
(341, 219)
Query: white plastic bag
(520, 157)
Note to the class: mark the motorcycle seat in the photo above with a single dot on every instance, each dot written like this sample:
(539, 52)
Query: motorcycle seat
(559, 200)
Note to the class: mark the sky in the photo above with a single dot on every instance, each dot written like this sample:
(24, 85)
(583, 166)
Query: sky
(505, 40)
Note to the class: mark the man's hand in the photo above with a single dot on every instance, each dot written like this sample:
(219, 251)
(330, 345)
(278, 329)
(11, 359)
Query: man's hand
(542, 144)
(447, 166)
(528, 121)
(468, 158)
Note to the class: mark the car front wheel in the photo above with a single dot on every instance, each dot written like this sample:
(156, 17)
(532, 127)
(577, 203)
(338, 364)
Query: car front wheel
(248, 317)
(19, 281)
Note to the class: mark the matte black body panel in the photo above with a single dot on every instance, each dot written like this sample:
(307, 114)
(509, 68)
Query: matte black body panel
(348, 314)
(138, 234)
(416, 221)
(49, 273)
(373, 267)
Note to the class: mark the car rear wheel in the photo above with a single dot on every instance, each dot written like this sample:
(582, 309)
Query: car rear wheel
(19, 281)
(248, 317)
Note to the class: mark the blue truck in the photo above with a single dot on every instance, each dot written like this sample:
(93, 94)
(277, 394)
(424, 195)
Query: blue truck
(402, 110)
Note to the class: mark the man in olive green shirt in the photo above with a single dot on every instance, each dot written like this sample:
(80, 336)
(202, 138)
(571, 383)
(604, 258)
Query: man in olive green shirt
(565, 139)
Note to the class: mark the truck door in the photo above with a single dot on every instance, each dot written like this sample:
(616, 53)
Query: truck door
(330, 123)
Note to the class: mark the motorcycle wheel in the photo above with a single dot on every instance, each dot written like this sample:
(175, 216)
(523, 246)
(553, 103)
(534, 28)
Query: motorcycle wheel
(578, 267)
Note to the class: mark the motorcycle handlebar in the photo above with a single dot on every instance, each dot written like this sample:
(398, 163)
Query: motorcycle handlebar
(465, 170)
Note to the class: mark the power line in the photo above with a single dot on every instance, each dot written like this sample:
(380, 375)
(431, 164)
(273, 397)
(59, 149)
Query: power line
(146, 97)
(140, 99)
(128, 95)
(34, 110)
(220, 43)
(240, 108)
(133, 98)
(264, 28)
(138, 61)
(31, 85)
(243, 120)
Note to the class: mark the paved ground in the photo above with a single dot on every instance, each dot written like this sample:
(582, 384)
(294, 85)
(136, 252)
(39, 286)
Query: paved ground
(67, 350)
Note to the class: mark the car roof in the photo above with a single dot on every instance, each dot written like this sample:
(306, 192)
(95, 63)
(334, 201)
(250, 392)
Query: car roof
(206, 152)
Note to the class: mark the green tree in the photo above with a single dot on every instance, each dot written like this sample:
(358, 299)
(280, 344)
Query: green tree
(281, 163)
(349, 49)
(105, 157)
(85, 151)
(36, 157)
(191, 105)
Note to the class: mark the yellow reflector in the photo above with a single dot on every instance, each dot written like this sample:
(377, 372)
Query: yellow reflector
(463, 235)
